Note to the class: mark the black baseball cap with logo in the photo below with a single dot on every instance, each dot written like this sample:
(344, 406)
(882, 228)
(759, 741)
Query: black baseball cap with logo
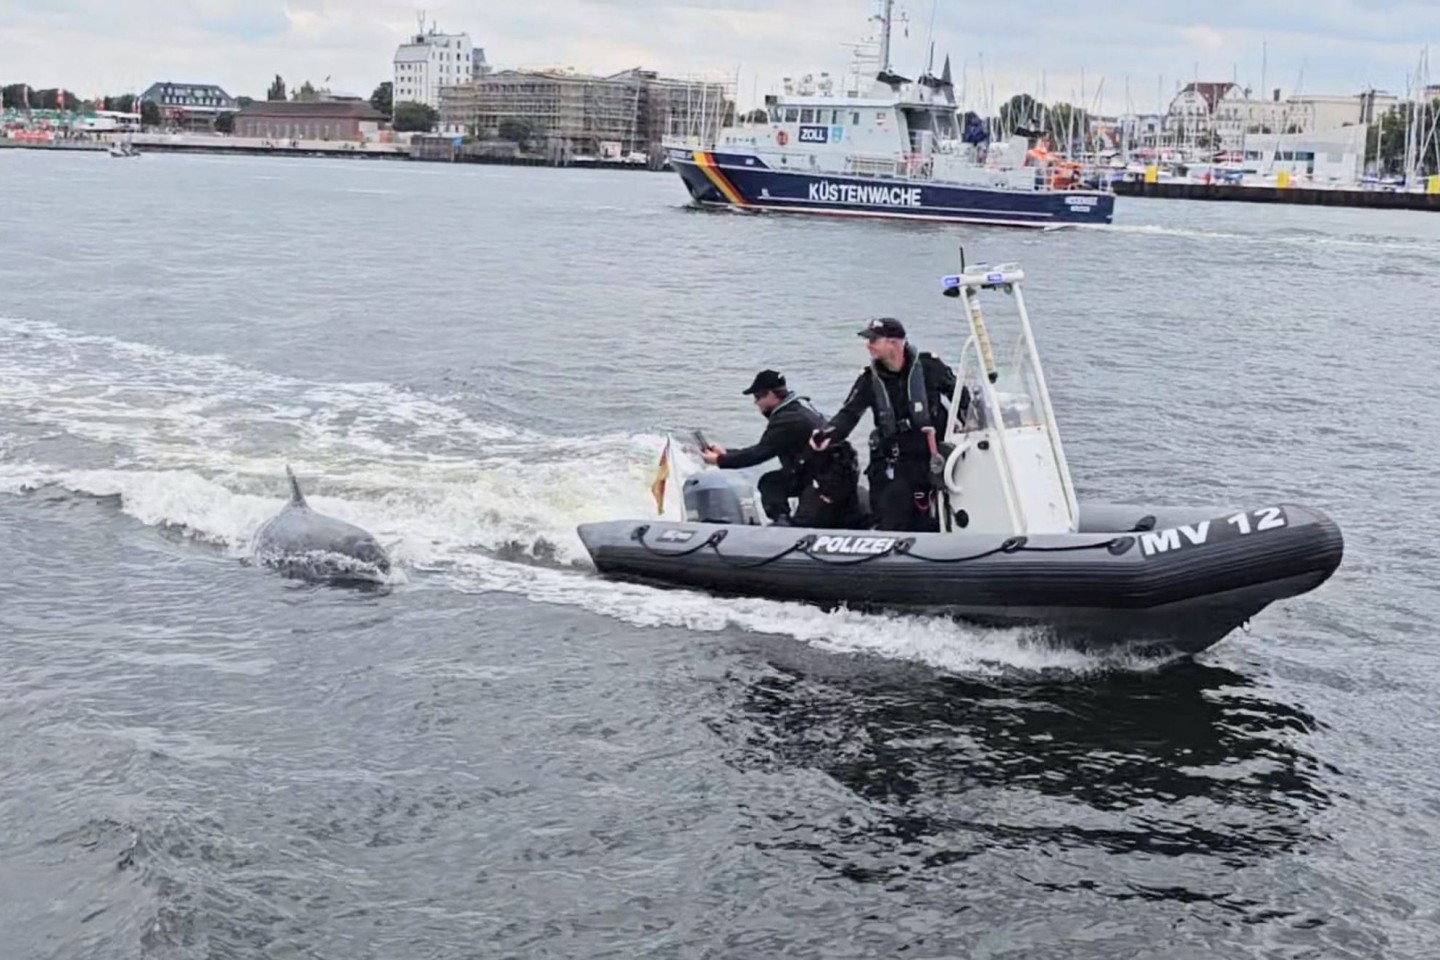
(883, 327)
(765, 381)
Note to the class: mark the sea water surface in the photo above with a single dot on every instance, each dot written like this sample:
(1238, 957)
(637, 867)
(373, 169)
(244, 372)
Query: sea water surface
(505, 756)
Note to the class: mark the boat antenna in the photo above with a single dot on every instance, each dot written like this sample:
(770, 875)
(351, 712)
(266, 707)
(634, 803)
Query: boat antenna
(953, 290)
(886, 6)
(930, 38)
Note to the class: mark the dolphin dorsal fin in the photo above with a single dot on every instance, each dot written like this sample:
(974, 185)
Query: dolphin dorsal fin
(296, 497)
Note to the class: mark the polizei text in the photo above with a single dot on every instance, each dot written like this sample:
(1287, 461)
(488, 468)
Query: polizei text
(853, 545)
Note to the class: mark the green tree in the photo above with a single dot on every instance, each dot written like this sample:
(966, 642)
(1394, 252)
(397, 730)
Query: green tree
(305, 93)
(1385, 140)
(54, 99)
(1067, 126)
(277, 89)
(757, 115)
(1387, 136)
(124, 103)
(519, 129)
(414, 117)
(150, 114)
(383, 99)
(15, 96)
(1021, 110)
(225, 123)
(243, 102)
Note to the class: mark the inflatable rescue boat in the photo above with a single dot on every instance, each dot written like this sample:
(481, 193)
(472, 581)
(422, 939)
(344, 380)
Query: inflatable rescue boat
(1014, 548)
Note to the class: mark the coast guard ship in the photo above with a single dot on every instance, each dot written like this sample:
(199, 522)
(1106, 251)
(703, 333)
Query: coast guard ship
(900, 150)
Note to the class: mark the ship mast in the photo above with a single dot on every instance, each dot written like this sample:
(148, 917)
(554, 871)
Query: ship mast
(885, 6)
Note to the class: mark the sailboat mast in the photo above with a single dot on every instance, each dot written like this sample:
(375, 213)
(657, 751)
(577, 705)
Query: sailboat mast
(1379, 145)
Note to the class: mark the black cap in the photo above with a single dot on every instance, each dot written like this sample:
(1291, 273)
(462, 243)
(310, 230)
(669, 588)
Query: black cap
(883, 327)
(765, 381)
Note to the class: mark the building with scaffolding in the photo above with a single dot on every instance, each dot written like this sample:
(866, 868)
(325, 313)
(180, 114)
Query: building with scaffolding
(571, 116)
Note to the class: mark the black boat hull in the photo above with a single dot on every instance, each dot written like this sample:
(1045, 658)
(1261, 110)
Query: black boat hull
(1182, 585)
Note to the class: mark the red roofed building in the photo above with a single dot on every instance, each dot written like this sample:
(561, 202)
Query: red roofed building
(309, 120)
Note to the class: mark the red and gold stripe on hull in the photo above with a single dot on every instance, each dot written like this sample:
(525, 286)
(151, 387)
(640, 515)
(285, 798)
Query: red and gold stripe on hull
(717, 178)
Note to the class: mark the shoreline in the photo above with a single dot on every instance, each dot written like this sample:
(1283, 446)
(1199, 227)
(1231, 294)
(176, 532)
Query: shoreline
(349, 150)
(425, 151)
(1302, 196)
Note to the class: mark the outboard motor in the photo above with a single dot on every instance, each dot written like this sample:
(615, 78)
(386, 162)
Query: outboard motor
(715, 497)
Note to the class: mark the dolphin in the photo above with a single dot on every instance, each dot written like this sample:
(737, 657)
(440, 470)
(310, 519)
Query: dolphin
(306, 545)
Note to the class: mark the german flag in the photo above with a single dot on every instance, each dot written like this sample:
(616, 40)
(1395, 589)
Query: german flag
(662, 474)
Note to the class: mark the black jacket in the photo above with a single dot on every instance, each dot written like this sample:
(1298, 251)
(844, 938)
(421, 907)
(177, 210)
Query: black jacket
(905, 439)
(786, 436)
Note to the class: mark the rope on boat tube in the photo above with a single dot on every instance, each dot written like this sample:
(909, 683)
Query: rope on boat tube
(902, 547)
(802, 545)
(711, 541)
(974, 556)
(1116, 545)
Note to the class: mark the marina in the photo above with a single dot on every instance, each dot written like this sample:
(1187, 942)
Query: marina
(868, 143)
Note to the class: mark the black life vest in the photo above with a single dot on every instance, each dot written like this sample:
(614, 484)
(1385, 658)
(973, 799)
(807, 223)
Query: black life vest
(888, 421)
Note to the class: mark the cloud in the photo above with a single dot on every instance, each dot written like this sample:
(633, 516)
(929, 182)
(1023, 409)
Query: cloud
(1146, 46)
(1203, 38)
(243, 23)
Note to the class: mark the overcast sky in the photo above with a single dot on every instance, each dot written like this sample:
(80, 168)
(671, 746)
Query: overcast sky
(1319, 46)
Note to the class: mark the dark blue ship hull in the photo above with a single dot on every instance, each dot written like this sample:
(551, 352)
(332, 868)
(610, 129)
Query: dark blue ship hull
(747, 182)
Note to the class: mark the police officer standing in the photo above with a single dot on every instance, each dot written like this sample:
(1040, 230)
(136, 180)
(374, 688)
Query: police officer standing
(903, 389)
(825, 483)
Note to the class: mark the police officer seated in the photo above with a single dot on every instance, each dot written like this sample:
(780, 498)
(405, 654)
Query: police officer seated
(906, 392)
(824, 483)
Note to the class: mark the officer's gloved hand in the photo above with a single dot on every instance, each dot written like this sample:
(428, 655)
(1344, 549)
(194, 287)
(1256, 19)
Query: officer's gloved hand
(820, 439)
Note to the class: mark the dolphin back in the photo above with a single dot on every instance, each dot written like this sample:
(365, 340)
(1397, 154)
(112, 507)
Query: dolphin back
(312, 546)
(296, 497)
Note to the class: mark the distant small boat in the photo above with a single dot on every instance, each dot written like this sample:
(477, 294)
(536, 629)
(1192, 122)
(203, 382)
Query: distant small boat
(120, 148)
